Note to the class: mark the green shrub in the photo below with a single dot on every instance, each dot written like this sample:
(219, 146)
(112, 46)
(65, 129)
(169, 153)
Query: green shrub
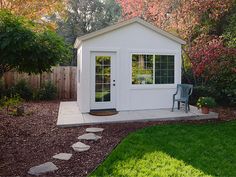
(206, 102)
(224, 83)
(220, 85)
(187, 76)
(201, 91)
(223, 94)
(230, 95)
(12, 105)
(22, 89)
(47, 92)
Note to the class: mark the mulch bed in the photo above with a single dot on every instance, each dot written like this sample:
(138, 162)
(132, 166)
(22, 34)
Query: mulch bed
(34, 138)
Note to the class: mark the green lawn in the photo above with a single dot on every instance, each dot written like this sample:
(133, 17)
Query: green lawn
(175, 150)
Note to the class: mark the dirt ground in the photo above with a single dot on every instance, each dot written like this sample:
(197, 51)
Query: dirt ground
(34, 138)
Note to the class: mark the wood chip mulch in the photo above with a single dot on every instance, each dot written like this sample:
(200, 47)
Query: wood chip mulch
(34, 138)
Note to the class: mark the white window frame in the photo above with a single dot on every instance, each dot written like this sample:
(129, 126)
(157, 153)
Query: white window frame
(153, 86)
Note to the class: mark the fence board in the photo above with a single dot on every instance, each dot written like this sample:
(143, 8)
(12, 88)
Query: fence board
(67, 83)
(64, 78)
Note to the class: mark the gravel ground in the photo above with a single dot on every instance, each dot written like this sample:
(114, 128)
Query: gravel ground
(34, 138)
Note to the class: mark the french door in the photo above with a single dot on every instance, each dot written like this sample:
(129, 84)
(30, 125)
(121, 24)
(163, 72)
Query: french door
(103, 81)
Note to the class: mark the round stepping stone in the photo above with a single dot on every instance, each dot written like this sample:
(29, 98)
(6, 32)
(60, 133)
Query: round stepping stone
(94, 130)
(62, 156)
(89, 136)
(80, 147)
(43, 168)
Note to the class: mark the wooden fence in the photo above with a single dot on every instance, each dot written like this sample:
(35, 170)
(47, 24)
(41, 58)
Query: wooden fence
(64, 78)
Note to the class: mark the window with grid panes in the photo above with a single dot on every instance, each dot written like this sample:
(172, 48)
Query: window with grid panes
(152, 69)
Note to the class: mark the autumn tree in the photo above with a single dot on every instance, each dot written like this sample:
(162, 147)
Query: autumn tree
(206, 53)
(228, 27)
(23, 49)
(178, 16)
(36, 10)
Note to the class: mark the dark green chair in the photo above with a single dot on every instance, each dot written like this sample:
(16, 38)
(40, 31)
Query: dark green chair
(182, 95)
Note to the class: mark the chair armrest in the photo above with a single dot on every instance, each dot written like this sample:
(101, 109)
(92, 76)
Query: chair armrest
(174, 95)
(176, 91)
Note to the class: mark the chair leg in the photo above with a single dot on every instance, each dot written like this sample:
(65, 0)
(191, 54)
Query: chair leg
(173, 106)
(186, 107)
(178, 105)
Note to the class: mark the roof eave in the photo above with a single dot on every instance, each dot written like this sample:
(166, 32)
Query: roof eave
(77, 43)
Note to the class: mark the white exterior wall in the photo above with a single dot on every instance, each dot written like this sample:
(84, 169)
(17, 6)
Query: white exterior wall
(134, 38)
(79, 69)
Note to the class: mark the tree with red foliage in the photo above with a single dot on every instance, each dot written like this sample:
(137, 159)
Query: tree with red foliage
(190, 19)
(206, 54)
(179, 16)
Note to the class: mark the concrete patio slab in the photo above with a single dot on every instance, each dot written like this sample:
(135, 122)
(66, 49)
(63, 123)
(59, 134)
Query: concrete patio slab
(69, 115)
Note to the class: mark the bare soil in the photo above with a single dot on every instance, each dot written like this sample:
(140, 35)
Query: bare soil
(34, 138)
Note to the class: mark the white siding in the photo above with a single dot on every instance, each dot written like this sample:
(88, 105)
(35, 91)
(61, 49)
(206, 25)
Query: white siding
(79, 69)
(134, 38)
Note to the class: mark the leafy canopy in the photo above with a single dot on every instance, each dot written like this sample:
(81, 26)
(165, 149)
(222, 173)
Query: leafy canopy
(85, 16)
(178, 16)
(36, 10)
(25, 50)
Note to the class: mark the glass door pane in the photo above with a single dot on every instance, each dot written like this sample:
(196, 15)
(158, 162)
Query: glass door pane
(103, 79)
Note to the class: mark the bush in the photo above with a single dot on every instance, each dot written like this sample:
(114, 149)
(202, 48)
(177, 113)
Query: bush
(230, 95)
(218, 82)
(47, 92)
(224, 95)
(224, 83)
(206, 102)
(22, 89)
(201, 91)
(187, 76)
(12, 105)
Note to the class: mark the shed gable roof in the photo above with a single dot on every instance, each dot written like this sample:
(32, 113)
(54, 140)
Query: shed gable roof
(123, 24)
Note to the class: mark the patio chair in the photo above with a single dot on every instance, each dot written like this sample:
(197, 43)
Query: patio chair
(183, 93)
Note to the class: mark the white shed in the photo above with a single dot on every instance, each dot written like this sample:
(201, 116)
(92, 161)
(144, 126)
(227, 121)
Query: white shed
(131, 65)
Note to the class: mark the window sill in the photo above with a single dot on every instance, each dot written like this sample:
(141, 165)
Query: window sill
(152, 87)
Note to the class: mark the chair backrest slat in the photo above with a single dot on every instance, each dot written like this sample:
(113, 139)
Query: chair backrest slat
(185, 90)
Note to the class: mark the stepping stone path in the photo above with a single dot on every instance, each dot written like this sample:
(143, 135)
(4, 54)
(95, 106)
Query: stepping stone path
(62, 156)
(89, 136)
(80, 147)
(43, 168)
(94, 130)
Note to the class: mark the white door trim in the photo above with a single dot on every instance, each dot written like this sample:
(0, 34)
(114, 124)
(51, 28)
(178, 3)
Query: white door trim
(107, 104)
